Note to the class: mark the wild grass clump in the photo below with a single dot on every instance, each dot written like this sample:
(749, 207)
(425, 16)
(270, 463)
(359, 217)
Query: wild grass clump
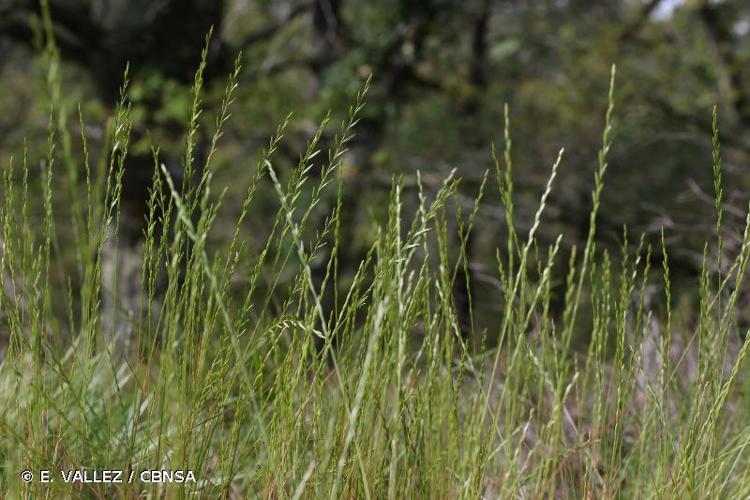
(261, 390)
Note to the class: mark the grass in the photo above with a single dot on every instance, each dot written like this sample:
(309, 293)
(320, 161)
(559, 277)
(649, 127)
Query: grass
(259, 390)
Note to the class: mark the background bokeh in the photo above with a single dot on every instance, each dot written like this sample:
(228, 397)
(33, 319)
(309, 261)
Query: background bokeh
(442, 72)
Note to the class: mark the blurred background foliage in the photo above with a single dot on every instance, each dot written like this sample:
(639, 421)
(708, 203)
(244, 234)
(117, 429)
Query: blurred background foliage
(442, 72)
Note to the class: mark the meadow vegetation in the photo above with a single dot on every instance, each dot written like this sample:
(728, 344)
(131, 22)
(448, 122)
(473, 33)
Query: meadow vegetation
(232, 366)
